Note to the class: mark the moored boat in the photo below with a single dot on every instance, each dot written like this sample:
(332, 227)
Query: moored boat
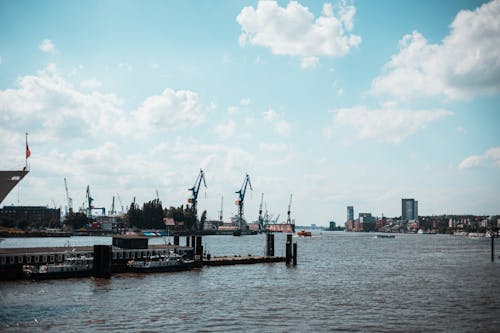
(303, 233)
(73, 266)
(160, 263)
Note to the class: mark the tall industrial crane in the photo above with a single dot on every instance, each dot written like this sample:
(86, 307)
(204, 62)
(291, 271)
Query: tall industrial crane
(113, 209)
(195, 189)
(241, 198)
(120, 201)
(221, 208)
(90, 207)
(89, 201)
(261, 218)
(288, 219)
(68, 198)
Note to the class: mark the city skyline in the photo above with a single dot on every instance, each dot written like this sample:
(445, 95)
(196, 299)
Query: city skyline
(339, 103)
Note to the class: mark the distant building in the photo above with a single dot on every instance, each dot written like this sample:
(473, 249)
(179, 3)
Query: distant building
(409, 209)
(350, 213)
(36, 216)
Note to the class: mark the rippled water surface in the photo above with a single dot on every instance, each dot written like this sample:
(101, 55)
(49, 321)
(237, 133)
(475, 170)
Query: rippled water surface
(344, 282)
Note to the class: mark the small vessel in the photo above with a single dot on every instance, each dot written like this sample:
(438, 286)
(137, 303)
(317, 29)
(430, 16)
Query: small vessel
(160, 263)
(303, 233)
(386, 236)
(73, 266)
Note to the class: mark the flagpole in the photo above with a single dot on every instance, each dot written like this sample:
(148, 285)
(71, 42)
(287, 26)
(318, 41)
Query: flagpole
(26, 155)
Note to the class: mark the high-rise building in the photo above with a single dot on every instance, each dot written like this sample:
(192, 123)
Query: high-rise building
(409, 209)
(350, 213)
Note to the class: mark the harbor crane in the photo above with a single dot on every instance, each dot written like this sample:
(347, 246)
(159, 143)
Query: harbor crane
(120, 201)
(288, 219)
(69, 200)
(261, 218)
(195, 189)
(221, 208)
(113, 209)
(90, 207)
(241, 198)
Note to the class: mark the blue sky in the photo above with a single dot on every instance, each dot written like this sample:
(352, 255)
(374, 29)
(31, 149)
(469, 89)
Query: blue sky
(340, 103)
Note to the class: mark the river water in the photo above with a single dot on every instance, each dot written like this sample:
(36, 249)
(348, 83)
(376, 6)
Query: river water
(344, 282)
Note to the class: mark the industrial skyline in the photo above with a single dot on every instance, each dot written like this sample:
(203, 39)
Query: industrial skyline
(337, 103)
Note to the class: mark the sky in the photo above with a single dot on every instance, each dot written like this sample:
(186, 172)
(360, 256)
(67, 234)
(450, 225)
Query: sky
(338, 103)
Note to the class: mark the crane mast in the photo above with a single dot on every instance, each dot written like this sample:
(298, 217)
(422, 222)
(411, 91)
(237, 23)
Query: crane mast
(241, 198)
(288, 219)
(113, 210)
(261, 218)
(120, 201)
(69, 200)
(195, 189)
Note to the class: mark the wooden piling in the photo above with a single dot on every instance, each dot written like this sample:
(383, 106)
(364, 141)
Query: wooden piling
(270, 245)
(103, 258)
(187, 241)
(288, 249)
(295, 254)
(492, 246)
(176, 239)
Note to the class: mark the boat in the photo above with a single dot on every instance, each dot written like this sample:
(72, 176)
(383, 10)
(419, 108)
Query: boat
(385, 236)
(160, 263)
(72, 266)
(303, 233)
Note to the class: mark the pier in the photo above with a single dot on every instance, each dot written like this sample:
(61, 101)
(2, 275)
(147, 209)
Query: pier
(111, 259)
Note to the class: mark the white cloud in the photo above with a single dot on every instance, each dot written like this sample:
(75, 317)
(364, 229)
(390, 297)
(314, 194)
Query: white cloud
(273, 147)
(126, 67)
(490, 158)
(48, 104)
(270, 115)
(50, 107)
(226, 130)
(233, 110)
(281, 127)
(465, 64)
(387, 124)
(47, 46)
(293, 30)
(309, 62)
(91, 84)
(171, 109)
(245, 101)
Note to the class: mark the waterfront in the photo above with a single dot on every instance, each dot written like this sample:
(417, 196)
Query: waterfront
(343, 282)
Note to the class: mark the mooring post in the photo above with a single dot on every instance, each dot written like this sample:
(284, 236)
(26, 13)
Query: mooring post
(187, 241)
(288, 249)
(270, 245)
(198, 250)
(492, 246)
(103, 258)
(295, 254)
(176, 240)
(193, 242)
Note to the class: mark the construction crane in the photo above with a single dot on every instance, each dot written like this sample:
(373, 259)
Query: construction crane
(288, 219)
(90, 207)
(113, 210)
(241, 198)
(120, 201)
(89, 201)
(69, 200)
(195, 189)
(261, 219)
(221, 208)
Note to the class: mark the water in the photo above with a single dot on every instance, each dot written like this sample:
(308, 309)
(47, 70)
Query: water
(344, 282)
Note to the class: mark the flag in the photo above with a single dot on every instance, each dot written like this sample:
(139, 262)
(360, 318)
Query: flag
(28, 152)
